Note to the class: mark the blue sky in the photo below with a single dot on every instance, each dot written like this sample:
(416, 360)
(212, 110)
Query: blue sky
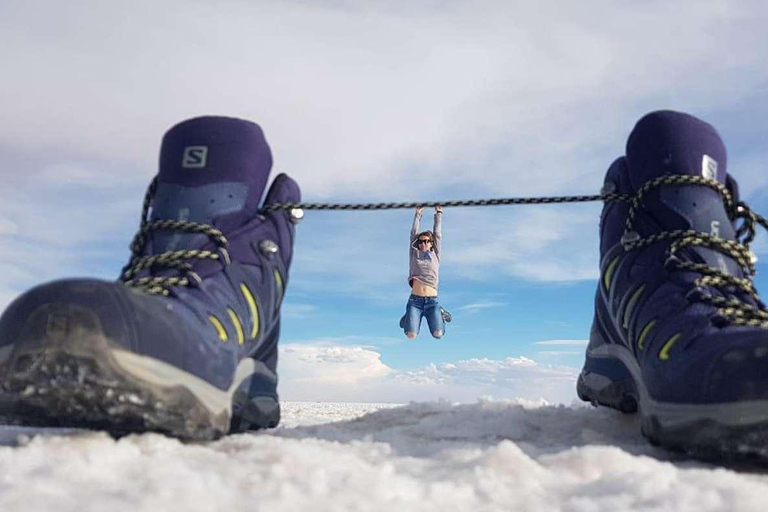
(369, 101)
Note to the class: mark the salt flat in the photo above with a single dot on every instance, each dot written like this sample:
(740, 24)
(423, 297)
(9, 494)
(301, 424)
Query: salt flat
(510, 455)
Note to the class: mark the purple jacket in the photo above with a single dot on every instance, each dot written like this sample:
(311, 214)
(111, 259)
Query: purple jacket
(425, 265)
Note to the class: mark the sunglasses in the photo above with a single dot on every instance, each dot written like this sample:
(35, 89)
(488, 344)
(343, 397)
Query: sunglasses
(425, 241)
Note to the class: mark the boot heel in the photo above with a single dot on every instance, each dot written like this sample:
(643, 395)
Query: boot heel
(606, 381)
(255, 404)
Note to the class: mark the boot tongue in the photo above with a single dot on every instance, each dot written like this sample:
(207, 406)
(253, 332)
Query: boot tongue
(668, 142)
(210, 167)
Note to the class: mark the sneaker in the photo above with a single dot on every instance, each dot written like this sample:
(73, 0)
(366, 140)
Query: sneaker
(679, 332)
(186, 342)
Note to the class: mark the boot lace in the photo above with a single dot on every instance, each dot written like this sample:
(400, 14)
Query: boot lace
(731, 310)
(178, 260)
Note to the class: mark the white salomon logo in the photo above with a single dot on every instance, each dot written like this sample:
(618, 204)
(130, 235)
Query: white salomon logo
(709, 167)
(715, 231)
(195, 157)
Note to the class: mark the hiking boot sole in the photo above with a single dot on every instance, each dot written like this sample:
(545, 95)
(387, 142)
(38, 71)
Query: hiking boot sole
(76, 377)
(735, 431)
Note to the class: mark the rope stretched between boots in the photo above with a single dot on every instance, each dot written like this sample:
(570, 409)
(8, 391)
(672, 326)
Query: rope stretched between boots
(452, 203)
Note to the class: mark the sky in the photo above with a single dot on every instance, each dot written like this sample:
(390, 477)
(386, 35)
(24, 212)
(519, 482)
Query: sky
(376, 101)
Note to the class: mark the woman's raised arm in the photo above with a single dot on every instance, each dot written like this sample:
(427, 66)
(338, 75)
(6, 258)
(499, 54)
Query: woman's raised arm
(437, 229)
(416, 223)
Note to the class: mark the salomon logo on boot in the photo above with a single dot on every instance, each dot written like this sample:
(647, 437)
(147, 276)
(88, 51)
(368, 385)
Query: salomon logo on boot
(195, 157)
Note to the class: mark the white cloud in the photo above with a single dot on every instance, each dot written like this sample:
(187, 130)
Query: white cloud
(357, 374)
(363, 102)
(84, 174)
(28, 263)
(560, 343)
(58, 217)
(363, 255)
(521, 98)
(331, 365)
(353, 340)
(543, 243)
(8, 227)
(298, 311)
(479, 306)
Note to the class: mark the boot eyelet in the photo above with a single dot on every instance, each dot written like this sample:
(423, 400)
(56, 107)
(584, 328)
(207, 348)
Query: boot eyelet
(629, 238)
(296, 215)
(268, 248)
(696, 295)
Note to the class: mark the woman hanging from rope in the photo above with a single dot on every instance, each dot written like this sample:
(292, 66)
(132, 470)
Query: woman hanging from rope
(424, 254)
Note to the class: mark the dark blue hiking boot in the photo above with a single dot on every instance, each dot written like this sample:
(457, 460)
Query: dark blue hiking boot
(186, 343)
(679, 331)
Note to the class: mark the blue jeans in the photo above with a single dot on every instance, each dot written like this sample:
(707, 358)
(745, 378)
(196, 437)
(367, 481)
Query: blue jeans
(419, 307)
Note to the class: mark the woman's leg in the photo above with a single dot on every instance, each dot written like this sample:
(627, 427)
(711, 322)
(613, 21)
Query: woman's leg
(413, 315)
(434, 317)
